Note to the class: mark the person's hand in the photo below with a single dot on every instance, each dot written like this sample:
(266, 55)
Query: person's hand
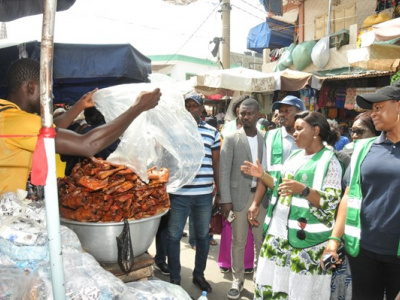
(225, 209)
(86, 100)
(331, 248)
(148, 100)
(290, 187)
(252, 215)
(251, 169)
(217, 200)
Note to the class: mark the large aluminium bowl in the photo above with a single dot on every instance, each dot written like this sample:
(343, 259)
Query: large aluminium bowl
(99, 239)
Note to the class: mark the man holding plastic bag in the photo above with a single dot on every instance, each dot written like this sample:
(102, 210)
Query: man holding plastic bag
(23, 107)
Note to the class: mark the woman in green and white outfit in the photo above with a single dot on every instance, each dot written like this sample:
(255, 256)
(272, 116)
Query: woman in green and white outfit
(300, 217)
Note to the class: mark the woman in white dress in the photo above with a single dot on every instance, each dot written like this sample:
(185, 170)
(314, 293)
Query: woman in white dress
(301, 214)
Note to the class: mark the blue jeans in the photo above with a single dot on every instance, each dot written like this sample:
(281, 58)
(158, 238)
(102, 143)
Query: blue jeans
(161, 240)
(192, 235)
(199, 207)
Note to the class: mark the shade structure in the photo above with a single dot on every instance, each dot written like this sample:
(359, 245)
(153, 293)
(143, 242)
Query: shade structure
(291, 80)
(79, 68)
(237, 79)
(11, 10)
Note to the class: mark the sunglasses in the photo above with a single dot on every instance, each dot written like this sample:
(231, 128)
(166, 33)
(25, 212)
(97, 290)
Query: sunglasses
(357, 131)
(301, 234)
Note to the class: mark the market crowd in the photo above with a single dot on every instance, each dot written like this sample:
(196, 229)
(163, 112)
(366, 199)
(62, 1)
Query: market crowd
(299, 202)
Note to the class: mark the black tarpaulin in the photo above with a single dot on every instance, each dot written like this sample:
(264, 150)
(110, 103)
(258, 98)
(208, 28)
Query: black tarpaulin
(78, 68)
(14, 9)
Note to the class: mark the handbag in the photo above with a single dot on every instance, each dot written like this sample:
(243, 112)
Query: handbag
(216, 223)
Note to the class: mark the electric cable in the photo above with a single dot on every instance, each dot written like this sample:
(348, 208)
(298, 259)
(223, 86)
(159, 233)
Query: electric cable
(191, 36)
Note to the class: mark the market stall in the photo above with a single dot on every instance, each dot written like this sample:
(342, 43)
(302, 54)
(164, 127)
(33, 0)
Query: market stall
(39, 259)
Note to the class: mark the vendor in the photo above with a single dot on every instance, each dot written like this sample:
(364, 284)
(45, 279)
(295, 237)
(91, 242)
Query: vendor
(20, 124)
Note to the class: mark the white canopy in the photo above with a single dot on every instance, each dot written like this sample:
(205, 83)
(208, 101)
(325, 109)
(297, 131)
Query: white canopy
(237, 79)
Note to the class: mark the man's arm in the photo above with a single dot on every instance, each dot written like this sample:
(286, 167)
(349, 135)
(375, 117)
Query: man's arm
(215, 165)
(65, 119)
(71, 143)
(225, 175)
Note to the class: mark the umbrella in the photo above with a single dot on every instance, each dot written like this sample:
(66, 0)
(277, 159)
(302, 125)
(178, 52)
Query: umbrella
(14, 9)
(237, 79)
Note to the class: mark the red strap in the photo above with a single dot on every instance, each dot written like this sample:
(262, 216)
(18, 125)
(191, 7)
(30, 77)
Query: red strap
(39, 159)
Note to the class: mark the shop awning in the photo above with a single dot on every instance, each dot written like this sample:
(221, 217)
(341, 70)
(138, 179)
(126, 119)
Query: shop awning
(291, 80)
(237, 79)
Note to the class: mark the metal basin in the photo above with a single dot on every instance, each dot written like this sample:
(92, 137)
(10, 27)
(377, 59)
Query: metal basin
(99, 239)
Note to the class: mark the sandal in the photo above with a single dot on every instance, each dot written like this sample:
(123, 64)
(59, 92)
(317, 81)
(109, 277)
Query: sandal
(213, 242)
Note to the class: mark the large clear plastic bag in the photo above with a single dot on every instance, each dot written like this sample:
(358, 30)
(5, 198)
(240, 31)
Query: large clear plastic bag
(17, 284)
(320, 53)
(157, 290)
(165, 136)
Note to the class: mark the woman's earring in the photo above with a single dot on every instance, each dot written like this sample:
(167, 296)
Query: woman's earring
(314, 137)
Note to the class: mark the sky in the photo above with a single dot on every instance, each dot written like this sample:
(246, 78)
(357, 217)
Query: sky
(153, 27)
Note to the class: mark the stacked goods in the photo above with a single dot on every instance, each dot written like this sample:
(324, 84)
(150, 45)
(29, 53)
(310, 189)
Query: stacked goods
(99, 191)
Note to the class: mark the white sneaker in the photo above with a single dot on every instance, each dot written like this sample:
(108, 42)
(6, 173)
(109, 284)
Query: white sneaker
(234, 292)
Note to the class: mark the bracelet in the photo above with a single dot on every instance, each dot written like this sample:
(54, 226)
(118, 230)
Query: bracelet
(335, 238)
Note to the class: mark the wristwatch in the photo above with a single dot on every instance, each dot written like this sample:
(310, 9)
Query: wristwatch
(305, 192)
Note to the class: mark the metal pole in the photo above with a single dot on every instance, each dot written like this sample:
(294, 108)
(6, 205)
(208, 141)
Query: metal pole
(50, 189)
(329, 18)
(226, 34)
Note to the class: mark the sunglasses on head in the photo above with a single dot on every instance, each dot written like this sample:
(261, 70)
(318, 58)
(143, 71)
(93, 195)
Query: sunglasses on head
(357, 131)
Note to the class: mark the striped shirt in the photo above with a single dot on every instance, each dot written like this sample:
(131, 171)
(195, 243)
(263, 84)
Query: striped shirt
(202, 184)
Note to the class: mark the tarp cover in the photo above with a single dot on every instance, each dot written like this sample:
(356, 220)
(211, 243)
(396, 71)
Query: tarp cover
(258, 37)
(79, 68)
(14, 9)
(273, 6)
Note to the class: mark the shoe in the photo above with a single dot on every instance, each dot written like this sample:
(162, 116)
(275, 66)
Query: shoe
(224, 270)
(249, 271)
(213, 242)
(163, 267)
(177, 282)
(202, 283)
(234, 292)
(184, 234)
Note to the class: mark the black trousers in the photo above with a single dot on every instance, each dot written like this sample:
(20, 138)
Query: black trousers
(374, 274)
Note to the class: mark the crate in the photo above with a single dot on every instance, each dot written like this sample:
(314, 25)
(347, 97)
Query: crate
(142, 269)
(338, 39)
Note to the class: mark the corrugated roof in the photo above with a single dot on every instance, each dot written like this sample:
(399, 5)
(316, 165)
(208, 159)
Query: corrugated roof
(345, 73)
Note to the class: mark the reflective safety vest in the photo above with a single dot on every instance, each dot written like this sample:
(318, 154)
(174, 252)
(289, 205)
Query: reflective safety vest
(304, 229)
(352, 229)
(274, 155)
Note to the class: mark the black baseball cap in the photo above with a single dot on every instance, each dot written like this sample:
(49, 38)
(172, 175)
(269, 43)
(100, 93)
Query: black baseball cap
(390, 92)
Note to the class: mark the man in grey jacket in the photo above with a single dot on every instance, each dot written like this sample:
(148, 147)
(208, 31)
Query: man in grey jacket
(237, 189)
